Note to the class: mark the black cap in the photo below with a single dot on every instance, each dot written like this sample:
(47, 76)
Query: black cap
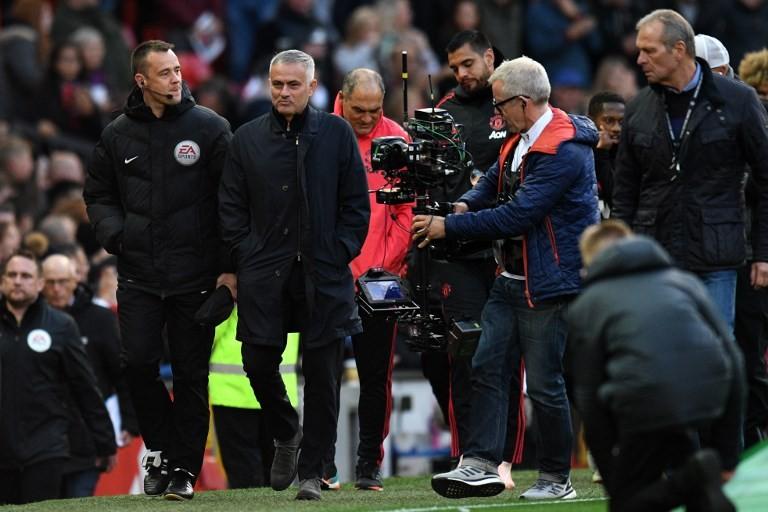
(217, 308)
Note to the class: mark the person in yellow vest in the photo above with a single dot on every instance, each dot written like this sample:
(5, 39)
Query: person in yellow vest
(245, 442)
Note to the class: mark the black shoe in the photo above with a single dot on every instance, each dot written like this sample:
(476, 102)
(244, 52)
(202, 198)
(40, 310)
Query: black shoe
(285, 463)
(706, 484)
(181, 487)
(309, 489)
(368, 476)
(157, 477)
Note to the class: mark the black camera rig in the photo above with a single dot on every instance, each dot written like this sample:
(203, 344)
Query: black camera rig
(411, 169)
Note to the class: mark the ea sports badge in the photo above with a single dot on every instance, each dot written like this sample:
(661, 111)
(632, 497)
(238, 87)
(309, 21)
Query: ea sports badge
(186, 152)
(39, 340)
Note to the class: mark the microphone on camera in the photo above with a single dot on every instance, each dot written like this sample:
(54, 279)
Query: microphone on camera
(145, 86)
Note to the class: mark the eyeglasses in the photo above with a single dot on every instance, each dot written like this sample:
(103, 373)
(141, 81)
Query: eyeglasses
(497, 104)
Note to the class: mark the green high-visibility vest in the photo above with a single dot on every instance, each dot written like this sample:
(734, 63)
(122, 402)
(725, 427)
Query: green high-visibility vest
(227, 383)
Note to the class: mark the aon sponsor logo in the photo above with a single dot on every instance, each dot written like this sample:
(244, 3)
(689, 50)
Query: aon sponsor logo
(498, 135)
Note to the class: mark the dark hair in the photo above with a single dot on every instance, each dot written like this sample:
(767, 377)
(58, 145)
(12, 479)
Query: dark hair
(601, 98)
(24, 253)
(139, 55)
(474, 38)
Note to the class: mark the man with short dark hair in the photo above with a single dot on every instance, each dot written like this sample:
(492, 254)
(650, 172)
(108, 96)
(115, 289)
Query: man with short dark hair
(680, 167)
(606, 109)
(294, 210)
(42, 360)
(151, 197)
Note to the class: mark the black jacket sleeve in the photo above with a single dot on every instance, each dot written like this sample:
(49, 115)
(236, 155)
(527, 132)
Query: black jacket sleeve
(102, 198)
(216, 166)
(84, 390)
(626, 177)
(754, 134)
(354, 205)
(234, 212)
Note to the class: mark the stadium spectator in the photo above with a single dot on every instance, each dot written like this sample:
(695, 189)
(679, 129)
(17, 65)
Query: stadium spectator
(606, 109)
(680, 167)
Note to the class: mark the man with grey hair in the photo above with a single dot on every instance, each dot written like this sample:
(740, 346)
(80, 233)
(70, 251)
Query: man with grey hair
(681, 160)
(534, 203)
(294, 210)
(360, 102)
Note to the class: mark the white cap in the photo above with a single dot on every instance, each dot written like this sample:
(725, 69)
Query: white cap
(711, 50)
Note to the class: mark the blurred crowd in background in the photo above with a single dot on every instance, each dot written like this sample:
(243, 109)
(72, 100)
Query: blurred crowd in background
(65, 72)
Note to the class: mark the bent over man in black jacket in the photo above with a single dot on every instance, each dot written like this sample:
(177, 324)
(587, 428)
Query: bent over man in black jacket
(652, 362)
(42, 364)
(151, 197)
(294, 209)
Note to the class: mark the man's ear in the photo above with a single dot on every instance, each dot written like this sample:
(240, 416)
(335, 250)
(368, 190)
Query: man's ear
(140, 80)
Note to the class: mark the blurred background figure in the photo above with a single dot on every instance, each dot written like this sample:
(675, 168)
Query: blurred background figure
(753, 69)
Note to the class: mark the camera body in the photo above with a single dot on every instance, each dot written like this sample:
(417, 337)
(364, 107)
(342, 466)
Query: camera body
(411, 170)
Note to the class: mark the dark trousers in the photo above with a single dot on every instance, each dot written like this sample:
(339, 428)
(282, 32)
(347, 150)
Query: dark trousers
(80, 484)
(643, 471)
(374, 350)
(37, 482)
(751, 331)
(320, 370)
(245, 444)
(179, 426)
(462, 288)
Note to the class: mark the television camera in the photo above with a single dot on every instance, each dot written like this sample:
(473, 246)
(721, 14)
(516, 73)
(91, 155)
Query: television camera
(412, 169)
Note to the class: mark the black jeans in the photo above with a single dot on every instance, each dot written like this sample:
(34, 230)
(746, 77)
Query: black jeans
(319, 367)
(751, 331)
(179, 426)
(37, 482)
(246, 446)
(374, 349)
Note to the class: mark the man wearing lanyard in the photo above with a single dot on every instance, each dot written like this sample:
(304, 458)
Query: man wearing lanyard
(682, 154)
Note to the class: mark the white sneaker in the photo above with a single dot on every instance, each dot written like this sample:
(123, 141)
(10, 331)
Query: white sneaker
(547, 490)
(467, 481)
(505, 473)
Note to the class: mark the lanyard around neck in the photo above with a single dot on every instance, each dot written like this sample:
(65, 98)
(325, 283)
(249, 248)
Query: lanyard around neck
(677, 143)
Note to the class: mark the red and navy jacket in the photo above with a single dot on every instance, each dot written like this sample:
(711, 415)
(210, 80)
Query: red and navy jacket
(556, 201)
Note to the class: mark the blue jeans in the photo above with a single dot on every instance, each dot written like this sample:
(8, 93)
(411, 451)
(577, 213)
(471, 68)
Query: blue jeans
(721, 286)
(512, 330)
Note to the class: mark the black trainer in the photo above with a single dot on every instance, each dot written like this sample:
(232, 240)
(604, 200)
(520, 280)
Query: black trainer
(157, 477)
(368, 476)
(285, 464)
(181, 486)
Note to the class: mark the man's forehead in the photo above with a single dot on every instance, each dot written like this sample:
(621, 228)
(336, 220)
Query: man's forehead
(288, 71)
(161, 60)
(20, 264)
(365, 97)
(612, 109)
(463, 52)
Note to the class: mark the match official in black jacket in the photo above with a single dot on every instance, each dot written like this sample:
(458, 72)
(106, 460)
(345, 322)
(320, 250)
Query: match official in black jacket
(42, 364)
(151, 196)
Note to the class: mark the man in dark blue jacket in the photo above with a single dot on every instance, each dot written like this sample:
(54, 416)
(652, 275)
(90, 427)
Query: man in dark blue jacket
(294, 210)
(535, 203)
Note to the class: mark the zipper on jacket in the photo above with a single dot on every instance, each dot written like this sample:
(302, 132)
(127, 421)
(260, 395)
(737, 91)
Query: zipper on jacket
(525, 274)
(298, 189)
(552, 240)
